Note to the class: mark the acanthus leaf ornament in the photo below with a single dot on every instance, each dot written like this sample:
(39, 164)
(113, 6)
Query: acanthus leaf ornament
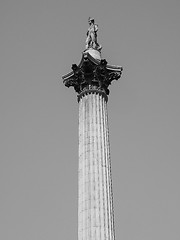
(92, 74)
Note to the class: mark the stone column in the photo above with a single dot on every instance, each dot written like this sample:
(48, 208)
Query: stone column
(91, 80)
(95, 203)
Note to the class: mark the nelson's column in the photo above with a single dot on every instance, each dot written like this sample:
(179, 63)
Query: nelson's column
(91, 79)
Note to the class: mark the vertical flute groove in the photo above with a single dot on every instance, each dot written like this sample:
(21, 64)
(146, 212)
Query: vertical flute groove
(105, 171)
(97, 160)
(102, 166)
(86, 212)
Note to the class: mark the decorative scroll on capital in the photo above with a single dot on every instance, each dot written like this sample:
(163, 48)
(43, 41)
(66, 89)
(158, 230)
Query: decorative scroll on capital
(92, 74)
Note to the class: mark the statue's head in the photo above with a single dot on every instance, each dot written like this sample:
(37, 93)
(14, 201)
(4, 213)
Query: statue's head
(90, 20)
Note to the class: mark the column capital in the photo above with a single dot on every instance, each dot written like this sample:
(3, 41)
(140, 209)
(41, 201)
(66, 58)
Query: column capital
(92, 74)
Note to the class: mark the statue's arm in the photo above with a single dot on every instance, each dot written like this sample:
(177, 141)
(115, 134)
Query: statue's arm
(95, 27)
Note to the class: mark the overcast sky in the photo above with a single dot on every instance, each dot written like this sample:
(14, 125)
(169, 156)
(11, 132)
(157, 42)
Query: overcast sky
(39, 41)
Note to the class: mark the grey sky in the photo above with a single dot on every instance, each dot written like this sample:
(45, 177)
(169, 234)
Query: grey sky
(39, 40)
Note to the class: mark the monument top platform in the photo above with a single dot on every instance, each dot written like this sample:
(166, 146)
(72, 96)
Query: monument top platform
(94, 53)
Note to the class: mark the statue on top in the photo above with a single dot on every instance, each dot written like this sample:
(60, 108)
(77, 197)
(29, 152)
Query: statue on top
(91, 40)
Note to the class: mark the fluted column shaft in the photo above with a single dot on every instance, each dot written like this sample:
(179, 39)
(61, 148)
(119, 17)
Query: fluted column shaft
(95, 203)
